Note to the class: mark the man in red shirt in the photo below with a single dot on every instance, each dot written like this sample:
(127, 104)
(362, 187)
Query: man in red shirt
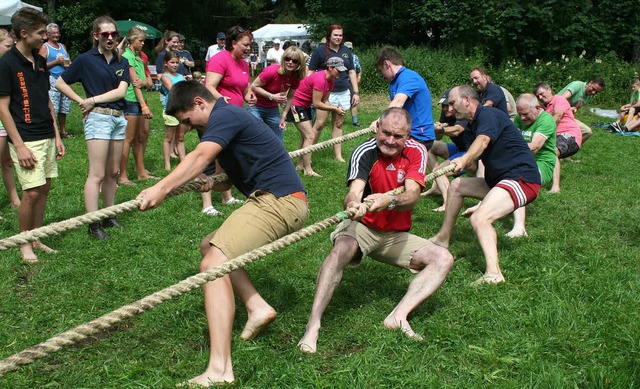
(381, 164)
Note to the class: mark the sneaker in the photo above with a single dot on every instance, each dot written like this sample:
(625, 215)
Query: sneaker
(211, 211)
(357, 124)
(615, 128)
(624, 129)
(111, 222)
(232, 201)
(96, 231)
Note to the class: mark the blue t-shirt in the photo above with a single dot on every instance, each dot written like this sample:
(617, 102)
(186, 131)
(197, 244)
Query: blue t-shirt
(507, 156)
(318, 61)
(495, 94)
(98, 77)
(252, 155)
(418, 104)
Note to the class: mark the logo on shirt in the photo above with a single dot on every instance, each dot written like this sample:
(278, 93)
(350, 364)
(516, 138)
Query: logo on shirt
(119, 72)
(401, 175)
(391, 167)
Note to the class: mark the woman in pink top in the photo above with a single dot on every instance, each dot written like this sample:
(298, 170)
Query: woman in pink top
(314, 90)
(228, 77)
(276, 85)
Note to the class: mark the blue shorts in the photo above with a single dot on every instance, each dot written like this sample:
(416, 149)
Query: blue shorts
(61, 103)
(454, 152)
(133, 109)
(106, 127)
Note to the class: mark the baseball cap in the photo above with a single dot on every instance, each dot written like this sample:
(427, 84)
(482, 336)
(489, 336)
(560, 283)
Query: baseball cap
(337, 63)
(349, 45)
(221, 35)
(276, 41)
(444, 100)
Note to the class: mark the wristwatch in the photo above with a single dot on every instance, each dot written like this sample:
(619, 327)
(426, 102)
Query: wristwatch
(392, 204)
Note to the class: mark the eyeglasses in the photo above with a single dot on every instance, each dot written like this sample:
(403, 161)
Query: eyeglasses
(113, 34)
(289, 59)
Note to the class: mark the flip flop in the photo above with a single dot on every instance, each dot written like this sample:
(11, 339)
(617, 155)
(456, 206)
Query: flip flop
(127, 183)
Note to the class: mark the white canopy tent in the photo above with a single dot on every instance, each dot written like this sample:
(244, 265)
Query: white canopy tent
(9, 7)
(285, 32)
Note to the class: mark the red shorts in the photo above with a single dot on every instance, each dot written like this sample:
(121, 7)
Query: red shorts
(522, 193)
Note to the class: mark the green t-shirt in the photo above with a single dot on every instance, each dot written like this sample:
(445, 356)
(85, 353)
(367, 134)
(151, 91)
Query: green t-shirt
(635, 97)
(137, 64)
(577, 93)
(546, 156)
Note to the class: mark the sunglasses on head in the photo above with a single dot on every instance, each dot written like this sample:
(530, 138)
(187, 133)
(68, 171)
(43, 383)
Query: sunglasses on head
(289, 59)
(113, 34)
(236, 31)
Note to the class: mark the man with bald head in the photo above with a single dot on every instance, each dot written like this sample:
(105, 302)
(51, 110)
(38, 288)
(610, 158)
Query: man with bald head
(511, 177)
(390, 160)
(539, 131)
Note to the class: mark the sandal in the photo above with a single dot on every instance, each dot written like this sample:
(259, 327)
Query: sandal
(127, 183)
(232, 201)
(211, 211)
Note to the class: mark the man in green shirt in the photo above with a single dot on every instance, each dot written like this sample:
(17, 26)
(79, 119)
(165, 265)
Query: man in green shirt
(579, 93)
(539, 131)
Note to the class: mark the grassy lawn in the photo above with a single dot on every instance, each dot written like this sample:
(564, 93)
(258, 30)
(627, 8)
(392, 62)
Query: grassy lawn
(566, 317)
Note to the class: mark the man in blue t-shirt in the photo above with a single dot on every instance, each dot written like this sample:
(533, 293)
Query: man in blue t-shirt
(511, 180)
(408, 90)
(490, 94)
(259, 166)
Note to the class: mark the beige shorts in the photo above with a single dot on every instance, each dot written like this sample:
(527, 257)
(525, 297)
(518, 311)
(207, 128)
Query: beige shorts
(392, 247)
(46, 166)
(169, 120)
(262, 219)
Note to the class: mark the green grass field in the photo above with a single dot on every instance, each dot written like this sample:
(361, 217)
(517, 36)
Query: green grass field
(566, 317)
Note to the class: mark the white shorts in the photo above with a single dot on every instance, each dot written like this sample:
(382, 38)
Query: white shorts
(341, 99)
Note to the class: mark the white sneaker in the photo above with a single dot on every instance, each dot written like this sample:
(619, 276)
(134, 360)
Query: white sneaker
(211, 211)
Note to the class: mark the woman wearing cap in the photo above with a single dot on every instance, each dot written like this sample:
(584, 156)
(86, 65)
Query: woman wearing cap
(105, 76)
(341, 96)
(228, 77)
(277, 85)
(314, 89)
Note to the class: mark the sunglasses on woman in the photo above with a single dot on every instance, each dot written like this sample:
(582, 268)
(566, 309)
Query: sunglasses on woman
(113, 34)
(289, 59)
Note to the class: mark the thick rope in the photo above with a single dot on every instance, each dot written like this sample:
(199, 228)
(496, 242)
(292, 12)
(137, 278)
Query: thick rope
(95, 216)
(104, 322)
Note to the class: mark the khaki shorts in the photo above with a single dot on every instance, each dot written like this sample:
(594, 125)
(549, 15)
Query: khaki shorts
(169, 120)
(262, 219)
(46, 166)
(392, 247)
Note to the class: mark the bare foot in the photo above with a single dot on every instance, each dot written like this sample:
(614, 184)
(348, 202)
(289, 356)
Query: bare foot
(27, 253)
(299, 167)
(431, 191)
(393, 323)
(340, 159)
(309, 341)
(439, 209)
(15, 204)
(554, 190)
(41, 246)
(516, 233)
(257, 323)
(206, 380)
(470, 211)
(489, 279)
(311, 173)
(439, 242)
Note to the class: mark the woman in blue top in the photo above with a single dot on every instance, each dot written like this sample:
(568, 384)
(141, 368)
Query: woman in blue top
(105, 77)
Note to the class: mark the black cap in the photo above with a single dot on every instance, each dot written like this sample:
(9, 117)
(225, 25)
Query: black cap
(221, 35)
(444, 100)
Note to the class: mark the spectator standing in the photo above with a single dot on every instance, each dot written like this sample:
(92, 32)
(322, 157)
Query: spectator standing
(137, 111)
(28, 116)
(57, 61)
(340, 96)
(217, 47)
(6, 42)
(358, 69)
(274, 55)
(186, 58)
(105, 77)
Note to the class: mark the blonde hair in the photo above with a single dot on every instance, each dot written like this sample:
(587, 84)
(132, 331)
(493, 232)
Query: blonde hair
(4, 35)
(133, 34)
(294, 52)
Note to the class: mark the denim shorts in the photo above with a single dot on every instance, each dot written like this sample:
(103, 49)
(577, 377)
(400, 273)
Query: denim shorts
(106, 127)
(61, 103)
(133, 109)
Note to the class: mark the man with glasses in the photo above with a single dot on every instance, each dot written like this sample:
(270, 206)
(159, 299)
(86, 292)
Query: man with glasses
(57, 60)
